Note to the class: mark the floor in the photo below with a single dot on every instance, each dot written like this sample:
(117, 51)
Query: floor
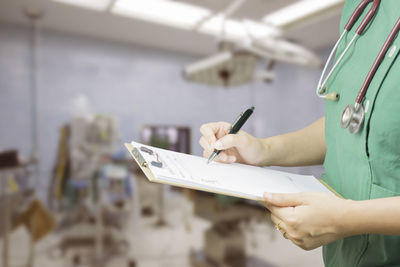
(170, 245)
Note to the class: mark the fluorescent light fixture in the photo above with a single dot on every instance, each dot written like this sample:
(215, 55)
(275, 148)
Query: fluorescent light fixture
(99, 5)
(215, 26)
(260, 30)
(176, 14)
(238, 29)
(300, 11)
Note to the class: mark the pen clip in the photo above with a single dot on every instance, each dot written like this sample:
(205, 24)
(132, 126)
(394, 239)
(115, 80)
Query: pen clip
(237, 119)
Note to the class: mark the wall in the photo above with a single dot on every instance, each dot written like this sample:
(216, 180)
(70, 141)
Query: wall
(138, 86)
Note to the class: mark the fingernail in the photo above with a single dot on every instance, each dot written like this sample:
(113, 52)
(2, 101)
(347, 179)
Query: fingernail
(218, 145)
(222, 157)
(268, 196)
(231, 158)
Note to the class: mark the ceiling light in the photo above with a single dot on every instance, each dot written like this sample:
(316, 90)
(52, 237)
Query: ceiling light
(237, 29)
(300, 11)
(176, 14)
(91, 4)
(260, 30)
(217, 26)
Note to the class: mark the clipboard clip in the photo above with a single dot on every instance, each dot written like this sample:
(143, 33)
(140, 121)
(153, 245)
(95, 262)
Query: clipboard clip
(142, 161)
(139, 157)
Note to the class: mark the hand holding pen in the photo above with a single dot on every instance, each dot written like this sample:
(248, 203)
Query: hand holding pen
(240, 147)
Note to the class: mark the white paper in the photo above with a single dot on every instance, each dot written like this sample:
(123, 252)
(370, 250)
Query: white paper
(232, 179)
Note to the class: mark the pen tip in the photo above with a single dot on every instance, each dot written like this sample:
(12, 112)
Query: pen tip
(252, 108)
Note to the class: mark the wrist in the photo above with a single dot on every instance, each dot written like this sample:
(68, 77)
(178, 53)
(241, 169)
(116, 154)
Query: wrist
(266, 159)
(348, 220)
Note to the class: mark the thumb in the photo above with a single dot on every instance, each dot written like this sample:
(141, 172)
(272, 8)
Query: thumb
(284, 200)
(228, 141)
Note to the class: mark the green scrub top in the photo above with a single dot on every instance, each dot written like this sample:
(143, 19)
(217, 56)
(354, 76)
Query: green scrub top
(365, 165)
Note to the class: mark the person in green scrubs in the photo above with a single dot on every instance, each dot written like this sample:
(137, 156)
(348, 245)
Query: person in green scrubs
(362, 227)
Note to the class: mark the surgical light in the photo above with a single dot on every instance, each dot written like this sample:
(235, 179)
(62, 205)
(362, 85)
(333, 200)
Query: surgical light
(228, 68)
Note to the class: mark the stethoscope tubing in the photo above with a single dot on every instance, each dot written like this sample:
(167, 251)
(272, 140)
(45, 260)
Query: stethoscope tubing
(321, 84)
(388, 42)
(353, 116)
(366, 20)
(359, 31)
(356, 36)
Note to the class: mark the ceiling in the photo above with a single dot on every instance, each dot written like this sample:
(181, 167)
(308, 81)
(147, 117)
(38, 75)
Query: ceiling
(315, 35)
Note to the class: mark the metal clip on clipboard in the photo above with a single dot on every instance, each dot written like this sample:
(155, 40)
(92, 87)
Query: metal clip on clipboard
(142, 161)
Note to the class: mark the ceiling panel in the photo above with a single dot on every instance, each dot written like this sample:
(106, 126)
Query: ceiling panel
(254, 9)
(104, 25)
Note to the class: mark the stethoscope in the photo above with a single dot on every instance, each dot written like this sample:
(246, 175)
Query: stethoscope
(353, 115)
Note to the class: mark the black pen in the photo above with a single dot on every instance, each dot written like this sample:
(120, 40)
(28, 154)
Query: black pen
(236, 126)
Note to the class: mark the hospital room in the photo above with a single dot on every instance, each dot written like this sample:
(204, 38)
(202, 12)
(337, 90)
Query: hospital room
(199, 133)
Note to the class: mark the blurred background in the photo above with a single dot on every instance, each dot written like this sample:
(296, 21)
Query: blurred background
(79, 78)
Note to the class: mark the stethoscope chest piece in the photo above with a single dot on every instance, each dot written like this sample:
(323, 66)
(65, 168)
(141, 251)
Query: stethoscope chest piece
(352, 118)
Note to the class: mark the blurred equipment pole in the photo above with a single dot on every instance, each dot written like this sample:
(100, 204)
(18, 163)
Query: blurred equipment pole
(34, 14)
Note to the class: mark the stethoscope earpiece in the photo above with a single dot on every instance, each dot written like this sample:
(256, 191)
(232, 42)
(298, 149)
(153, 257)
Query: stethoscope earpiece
(334, 96)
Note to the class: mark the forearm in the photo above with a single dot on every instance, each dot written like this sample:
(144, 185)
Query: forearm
(377, 216)
(304, 147)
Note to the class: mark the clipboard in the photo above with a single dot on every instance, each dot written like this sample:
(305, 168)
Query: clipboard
(137, 154)
(144, 166)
